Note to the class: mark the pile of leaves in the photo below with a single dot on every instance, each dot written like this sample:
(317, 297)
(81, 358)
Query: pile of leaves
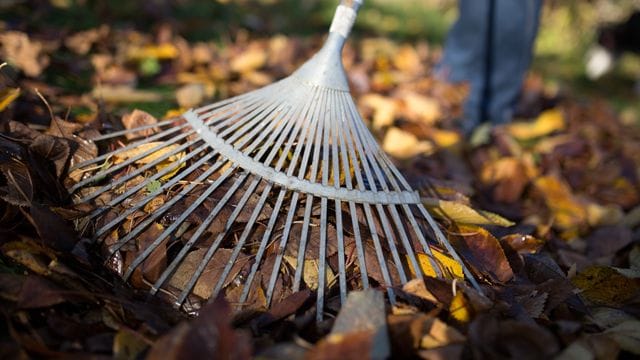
(545, 210)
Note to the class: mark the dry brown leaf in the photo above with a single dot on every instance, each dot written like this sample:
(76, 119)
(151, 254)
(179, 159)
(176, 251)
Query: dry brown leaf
(482, 251)
(403, 145)
(26, 54)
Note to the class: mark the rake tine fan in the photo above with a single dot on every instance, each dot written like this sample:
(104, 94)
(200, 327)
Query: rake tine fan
(269, 192)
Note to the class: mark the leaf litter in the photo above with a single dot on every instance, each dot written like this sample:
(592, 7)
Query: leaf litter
(544, 210)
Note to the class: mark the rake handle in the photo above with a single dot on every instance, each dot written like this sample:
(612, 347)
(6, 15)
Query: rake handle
(345, 17)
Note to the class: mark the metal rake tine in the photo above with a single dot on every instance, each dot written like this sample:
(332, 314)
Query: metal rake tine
(342, 272)
(369, 152)
(367, 209)
(216, 243)
(348, 153)
(196, 235)
(176, 223)
(322, 248)
(251, 127)
(280, 134)
(133, 130)
(288, 120)
(306, 128)
(161, 210)
(138, 171)
(130, 161)
(210, 171)
(130, 146)
(317, 132)
(149, 196)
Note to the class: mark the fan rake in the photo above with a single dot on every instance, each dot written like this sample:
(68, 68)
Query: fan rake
(288, 176)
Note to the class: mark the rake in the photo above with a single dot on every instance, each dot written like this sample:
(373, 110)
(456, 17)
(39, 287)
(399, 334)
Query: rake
(268, 188)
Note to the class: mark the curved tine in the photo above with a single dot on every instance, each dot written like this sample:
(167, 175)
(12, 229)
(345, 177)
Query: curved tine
(444, 242)
(140, 170)
(151, 195)
(250, 126)
(130, 146)
(369, 151)
(165, 234)
(241, 241)
(335, 162)
(423, 241)
(317, 131)
(131, 160)
(135, 144)
(348, 152)
(216, 243)
(236, 99)
(288, 120)
(391, 170)
(196, 235)
(367, 208)
(134, 130)
(322, 248)
(161, 210)
(306, 128)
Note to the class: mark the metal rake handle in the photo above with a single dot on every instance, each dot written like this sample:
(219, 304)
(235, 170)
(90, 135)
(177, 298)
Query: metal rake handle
(345, 17)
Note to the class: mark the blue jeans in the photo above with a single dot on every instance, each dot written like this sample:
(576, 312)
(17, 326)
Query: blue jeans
(490, 46)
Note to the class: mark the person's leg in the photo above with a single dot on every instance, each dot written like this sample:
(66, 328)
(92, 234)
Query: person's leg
(490, 46)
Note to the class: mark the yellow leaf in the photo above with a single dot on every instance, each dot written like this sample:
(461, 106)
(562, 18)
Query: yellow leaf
(252, 59)
(448, 265)
(161, 52)
(7, 96)
(548, 122)
(461, 213)
(459, 308)
(444, 138)
(310, 272)
(421, 108)
(568, 213)
(402, 144)
(162, 151)
(384, 109)
(605, 286)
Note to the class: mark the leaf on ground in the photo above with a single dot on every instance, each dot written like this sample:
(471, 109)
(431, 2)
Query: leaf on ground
(207, 281)
(508, 176)
(208, 336)
(403, 145)
(447, 265)
(567, 211)
(24, 53)
(627, 335)
(463, 214)
(605, 286)
(7, 96)
(360, 331)
(55, 150)
(460, 308)
(136, 119)
(166, 151)
(53, 230)
(483, 251)
(546, 123)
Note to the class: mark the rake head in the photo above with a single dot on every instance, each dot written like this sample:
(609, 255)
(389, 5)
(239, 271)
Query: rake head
(261, 195)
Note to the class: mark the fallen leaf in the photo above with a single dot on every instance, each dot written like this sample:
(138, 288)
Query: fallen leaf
(605, 286)
(627, 335)
(567, 211)
(546, 123)
(460, 309)
(403, 144)
(26, 54)
(7, 96)
(252, 58)
(136, 119)
(447, 265)
(460, 213)
(482, 251)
